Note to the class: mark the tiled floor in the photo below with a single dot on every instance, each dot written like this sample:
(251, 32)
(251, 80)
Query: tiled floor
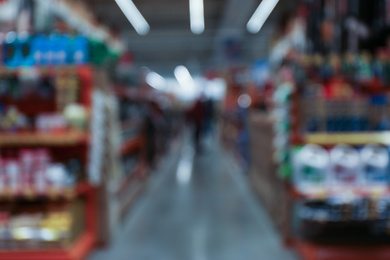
(197, 207)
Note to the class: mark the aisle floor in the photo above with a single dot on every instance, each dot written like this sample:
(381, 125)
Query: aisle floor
(196, 207)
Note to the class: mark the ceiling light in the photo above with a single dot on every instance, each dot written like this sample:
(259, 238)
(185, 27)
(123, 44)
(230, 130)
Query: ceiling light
(260, 16)
(156, 81)
(244, 101)
(184, 77)
(197, 16)
(134, 16)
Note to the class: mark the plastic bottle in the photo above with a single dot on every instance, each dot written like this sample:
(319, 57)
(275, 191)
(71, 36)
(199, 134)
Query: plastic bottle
(311, 165)
(345, 166)
(375, 165)
(10, 49)
(24, 44)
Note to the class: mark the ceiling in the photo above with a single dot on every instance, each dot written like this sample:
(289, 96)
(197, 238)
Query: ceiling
(170, 42)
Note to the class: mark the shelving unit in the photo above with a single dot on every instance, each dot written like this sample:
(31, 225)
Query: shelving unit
(130, 184)
(353, 138)
(311, 251)
(68, 138)
(68, 141)
(326, 113)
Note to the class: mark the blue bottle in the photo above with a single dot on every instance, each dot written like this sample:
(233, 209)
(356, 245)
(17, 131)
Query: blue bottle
(12, 56)
(27, 58)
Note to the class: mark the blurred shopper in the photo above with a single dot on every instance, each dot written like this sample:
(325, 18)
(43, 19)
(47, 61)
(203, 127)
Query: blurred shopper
(209, 116)
(149, 129)
(196, 116)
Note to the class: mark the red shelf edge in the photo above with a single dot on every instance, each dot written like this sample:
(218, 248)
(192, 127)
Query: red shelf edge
(79, 190)
(140, 168)
(40, 138)
(80, 249)
(131, 145)
(310, 251)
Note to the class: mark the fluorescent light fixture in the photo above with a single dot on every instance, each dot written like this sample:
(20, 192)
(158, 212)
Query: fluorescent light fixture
(184, 77)
(134, 16)
(260, 16)
(156, 81)
(197, 16)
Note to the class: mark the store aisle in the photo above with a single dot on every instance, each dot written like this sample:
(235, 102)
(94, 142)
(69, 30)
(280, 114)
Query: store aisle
(197, 207)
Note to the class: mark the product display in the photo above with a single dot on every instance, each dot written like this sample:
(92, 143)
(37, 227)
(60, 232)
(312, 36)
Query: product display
(54, 95)
(44, 137)
(343, 169)
(38, 227)
(330, 120)
(34, 170)
(25, 50)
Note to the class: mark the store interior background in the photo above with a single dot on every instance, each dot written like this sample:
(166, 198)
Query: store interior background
(194, 129)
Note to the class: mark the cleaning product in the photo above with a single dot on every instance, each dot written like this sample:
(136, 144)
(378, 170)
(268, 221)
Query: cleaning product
(24, 43)
(311, 169)
(375, 165)
(345, 166)
(10, 50)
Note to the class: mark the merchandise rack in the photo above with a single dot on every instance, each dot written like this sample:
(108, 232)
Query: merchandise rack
(279, 195)
(309, 250)
(66, 138)
(131, 183)
(61, 140)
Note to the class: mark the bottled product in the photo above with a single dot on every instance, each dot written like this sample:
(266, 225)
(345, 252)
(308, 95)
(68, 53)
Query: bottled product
(24, 48)
(375, 165)
(10, 50)
(345, 166)
(311, 168)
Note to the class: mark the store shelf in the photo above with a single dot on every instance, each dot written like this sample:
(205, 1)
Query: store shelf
(131, 145)
(368, 192)
(130, 124)
(41, 70)
(139, 170)
(77, 252)
(30, 106)
(52, 194)
(130, 187)
(348, 138)
(310, 251)
(66, 138)
(134, 190)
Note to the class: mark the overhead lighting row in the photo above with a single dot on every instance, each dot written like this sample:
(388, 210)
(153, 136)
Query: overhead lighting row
(142, 27)
(182, 75)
